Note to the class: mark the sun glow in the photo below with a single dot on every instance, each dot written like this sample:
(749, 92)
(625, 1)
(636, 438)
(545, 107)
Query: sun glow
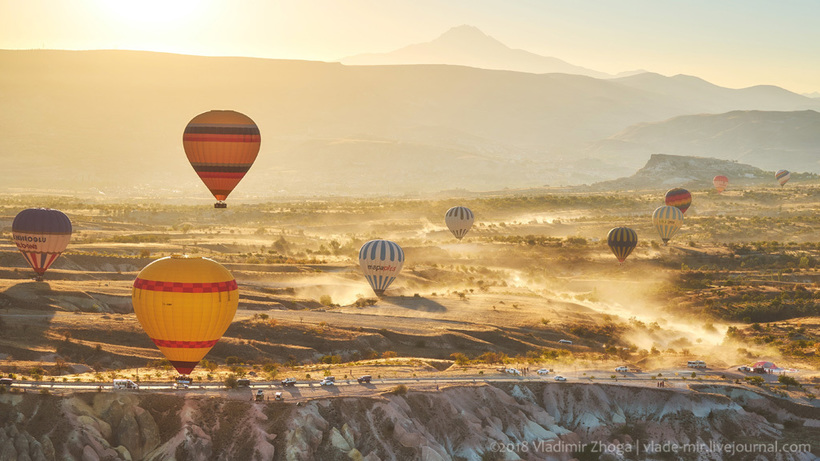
(151, 13)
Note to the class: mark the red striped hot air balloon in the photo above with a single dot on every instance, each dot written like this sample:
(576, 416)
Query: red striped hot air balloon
(185, 304)
(221, 146)
(41, 235)
(680, 198)
(720, 182)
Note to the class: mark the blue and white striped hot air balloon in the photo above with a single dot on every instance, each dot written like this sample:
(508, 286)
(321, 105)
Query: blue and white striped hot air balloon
(381, 262)
(667, 220)
(459, 220)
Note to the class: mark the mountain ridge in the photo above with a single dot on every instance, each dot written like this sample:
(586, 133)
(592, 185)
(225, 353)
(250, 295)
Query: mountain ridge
(468, 46)
(111, 121)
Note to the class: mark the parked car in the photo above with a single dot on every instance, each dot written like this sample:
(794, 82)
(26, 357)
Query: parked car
(543, 372)
(364, 379)
(513, 371)
(244, 382)
(125, 384)
(622, 369)
(328, 381)
(260, 395)
(560, 378)
(564, 341)
(744, 369)
(278, 396)
(289, 382)
(6, 381)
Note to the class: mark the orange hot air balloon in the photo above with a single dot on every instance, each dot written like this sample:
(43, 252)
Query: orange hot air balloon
(185, 304)
(221, 146)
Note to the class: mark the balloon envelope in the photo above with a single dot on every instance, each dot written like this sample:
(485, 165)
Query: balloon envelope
(667, 220)
(680, 198)
(381, 262)
(720, 182)
(185, 304)
(459, 220)
(783, 176)
(41, 235)
(622, 240)
(221, 146)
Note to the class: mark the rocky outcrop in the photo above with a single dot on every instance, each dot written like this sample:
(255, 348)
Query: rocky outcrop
(533, 421)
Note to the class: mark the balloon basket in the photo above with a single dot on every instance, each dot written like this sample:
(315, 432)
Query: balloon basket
(220, 205)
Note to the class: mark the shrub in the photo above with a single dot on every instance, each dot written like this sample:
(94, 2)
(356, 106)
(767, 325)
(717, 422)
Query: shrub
(460, 358)
(230, 381)
(401, 389)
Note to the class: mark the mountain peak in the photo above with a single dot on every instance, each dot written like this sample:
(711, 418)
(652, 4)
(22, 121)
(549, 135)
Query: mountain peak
(467, 45)
(467, 35)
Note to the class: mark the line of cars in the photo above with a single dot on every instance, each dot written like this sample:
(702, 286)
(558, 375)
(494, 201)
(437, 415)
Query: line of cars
(327, 381)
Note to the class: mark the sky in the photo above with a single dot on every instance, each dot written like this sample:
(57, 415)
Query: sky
(732, 43)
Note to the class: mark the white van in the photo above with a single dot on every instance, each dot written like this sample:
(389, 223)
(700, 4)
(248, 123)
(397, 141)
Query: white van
(622, 369)
(125, 384)
(564, 341)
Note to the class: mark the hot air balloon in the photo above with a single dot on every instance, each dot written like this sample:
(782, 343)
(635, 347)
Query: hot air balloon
(680, 198)
(381, 262)
(782, 176)
(667, 220)
(459, 220)
(41, 235)
(622, 240)
(185, 304)
(720, 183)
(221, 146)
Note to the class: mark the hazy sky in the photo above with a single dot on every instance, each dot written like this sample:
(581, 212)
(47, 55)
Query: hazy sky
(733, 43)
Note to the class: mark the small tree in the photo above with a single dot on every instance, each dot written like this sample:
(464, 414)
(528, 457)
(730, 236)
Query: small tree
(230, 381)
(460, 358)
(787, 381)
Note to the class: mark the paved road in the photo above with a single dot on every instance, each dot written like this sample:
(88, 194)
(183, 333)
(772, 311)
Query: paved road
(350, 387)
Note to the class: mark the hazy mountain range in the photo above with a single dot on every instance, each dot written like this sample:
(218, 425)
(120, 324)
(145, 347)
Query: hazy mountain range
(769, 140)
(663, 172)
(468, 46)
(113, 121)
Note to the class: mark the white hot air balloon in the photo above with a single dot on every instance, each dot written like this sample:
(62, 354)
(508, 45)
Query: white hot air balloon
(459, 220)
(381, 262)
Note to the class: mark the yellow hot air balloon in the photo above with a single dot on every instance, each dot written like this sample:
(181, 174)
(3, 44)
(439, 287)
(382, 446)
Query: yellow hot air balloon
(667, 220)
(185, 304)
(622, 240)
(221, 146)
